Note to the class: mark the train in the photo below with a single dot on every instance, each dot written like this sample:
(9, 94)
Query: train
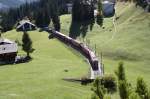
(89, 54)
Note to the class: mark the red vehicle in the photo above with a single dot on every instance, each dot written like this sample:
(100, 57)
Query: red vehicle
(80, 47)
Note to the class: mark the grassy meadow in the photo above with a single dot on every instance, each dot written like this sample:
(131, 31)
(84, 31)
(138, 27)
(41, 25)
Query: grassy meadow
(42, 77)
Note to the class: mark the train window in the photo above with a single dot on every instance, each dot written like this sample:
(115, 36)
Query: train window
(95, 65)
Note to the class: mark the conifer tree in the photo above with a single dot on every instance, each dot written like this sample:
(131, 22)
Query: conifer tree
(98, 89)
(122, 83)
(47, 9)
(99, 19)
(27, 44)
(142, 89)
(121, 72)
(123, 89)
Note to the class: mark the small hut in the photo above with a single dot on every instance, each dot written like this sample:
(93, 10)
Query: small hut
(108, 8)
(69, 7)
(25, 25)
(8, 50)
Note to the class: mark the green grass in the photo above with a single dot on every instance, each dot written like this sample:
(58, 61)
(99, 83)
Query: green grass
(130, 43)
(42, 77)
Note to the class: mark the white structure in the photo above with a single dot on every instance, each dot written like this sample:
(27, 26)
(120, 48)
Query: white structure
(69, 6)
(95, 13)
(8, 50)
(96, 73)
(25, 25)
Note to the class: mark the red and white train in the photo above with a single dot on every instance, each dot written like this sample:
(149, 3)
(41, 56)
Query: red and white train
(79, 46)
(82, 48)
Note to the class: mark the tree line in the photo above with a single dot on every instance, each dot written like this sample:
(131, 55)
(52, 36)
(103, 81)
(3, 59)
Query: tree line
(41, 12)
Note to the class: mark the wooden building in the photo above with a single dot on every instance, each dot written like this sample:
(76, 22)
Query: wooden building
(8, 50)
(25, 25)
(69, 7)
(108, 8)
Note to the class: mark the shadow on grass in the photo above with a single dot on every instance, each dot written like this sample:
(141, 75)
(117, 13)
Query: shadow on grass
(83, 81)
(80, 28)
(24, 59)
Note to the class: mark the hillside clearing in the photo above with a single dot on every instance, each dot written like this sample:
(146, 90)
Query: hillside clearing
(42, 77)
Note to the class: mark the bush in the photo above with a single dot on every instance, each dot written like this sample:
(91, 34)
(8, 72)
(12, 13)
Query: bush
(107, 97)
(121, 72)
(94, 96)
(109, 83)
(141, 89)
(134, 96)
(98, 88)
(123, 89)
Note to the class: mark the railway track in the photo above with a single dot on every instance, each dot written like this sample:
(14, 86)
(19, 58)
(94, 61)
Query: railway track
(96, 66)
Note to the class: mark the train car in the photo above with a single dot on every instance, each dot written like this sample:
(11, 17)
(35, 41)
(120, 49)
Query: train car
(80, 47)
(85, 50)
(89, 54)
(63, 37)
(93, 60)
(75, 44)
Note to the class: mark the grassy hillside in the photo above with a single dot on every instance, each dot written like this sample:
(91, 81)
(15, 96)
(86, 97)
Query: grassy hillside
(42, 77)
(129, 43)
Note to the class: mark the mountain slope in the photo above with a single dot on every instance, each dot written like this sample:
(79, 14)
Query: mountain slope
(129, 43)
(11, 3)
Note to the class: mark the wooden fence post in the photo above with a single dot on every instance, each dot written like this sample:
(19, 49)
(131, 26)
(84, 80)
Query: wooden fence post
(95, 49)
(102, 63)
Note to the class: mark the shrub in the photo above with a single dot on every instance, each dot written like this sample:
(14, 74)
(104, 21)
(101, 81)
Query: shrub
(120, 72)
(142, 89)
(123, 89)
(94, 96)
(134, 96)
(98, 88)
(109, 83)
(107, 97)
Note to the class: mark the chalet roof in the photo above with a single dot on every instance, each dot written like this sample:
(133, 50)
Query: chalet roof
(21, 23)
(7, 46)
(69, 4)
(86, 2)
(2, 40)
(108, 2)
